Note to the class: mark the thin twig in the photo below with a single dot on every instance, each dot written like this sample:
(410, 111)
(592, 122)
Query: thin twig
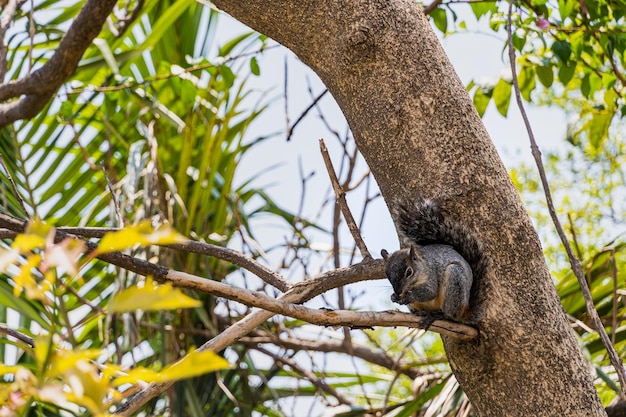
(432, 6)
(299, 293)
(614, 315)
(304, 113)
(14, 186)
(377, 357)
(341, 200)
(8, 12)
(179, 72)
(309, 375)
(7, 331)
(286, 94)
(14, 226)
(575, 263)
(116, 203)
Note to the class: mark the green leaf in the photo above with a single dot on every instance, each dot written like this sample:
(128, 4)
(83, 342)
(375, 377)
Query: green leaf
(411, 407)
(165, 22)
(563, 50)
(502, 96)
(545, 75)
(566, 72)
(230, 45)
(482, 8)
(21, 305)
(590, 84)
(481, 101)
(228, 76)
(526, 81)
(565, 8)
(254, 66)
(598, 128)
(607, 379)
(518, 40)
(440, 19)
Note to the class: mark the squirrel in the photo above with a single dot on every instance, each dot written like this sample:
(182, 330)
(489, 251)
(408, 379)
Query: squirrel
(438, 274)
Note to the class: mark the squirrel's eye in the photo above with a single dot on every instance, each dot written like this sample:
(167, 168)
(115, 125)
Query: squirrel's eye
(408, 272)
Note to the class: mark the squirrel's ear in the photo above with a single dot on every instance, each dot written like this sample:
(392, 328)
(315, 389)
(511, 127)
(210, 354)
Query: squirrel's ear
(384, 254)
(415, 253)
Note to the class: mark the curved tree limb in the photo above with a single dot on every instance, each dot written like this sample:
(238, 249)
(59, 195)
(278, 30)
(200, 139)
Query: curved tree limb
(35, 90)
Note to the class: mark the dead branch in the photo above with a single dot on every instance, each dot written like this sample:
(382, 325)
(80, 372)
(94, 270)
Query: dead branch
(377, 357)
(341, 201)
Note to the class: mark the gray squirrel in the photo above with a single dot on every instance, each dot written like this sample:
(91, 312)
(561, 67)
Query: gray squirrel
(438, 273)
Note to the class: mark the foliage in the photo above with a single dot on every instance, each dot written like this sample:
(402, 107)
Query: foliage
(575, 49)
(148, 129)
(62, 370)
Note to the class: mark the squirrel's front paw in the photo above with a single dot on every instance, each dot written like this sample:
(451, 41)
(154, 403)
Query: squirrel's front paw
(400, 300)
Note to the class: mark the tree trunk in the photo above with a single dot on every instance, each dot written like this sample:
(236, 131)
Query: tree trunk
(417, 128)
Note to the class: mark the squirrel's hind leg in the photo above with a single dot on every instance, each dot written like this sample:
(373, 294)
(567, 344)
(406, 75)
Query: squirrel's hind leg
(429, 317)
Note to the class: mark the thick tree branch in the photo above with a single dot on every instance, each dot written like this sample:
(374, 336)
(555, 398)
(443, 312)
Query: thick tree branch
(38, 87)
(251, 298)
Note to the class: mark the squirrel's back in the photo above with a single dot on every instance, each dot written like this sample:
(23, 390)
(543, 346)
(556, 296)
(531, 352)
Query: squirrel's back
(422, 222)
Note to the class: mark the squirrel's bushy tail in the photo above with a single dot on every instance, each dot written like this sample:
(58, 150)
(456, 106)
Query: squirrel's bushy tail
(421, 221)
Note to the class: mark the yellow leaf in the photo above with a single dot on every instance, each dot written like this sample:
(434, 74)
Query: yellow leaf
(65, 360)
(137, 375)
(151, 297)
(86, 386)
(35, 237)
(26, 243)
(37, 227)
(25, 280)
(194, 364)
(6, 369)
(142, 234)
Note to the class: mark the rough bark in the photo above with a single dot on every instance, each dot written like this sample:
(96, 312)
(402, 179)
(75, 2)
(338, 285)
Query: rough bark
(418, 131)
